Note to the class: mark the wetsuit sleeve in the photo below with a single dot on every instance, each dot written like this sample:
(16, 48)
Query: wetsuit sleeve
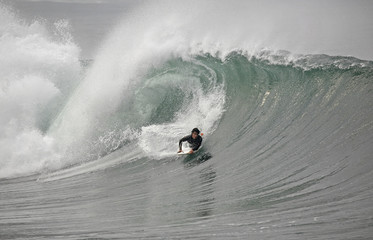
(182, 140)
(198, 144)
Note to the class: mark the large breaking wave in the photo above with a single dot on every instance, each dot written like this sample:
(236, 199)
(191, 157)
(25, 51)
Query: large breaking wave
(152, 83)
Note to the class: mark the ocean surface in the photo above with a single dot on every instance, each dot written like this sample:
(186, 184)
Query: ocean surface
(88, 146)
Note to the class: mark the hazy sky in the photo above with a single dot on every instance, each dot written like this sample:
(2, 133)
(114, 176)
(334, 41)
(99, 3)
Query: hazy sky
(334, 27)
(91, 20)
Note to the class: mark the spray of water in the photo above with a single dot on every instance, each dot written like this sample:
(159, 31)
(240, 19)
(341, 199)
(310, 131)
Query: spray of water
(38, 69)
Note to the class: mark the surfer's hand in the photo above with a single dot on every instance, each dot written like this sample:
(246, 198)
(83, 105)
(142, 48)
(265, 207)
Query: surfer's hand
(179, 151)
(191, 151)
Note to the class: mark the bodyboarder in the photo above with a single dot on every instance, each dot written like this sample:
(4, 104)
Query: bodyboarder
(194, 140)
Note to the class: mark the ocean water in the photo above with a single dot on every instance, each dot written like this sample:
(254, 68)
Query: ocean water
(88, 147)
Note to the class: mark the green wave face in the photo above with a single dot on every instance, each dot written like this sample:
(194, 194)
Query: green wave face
(277, 133)
(240, 102)
(260, 96)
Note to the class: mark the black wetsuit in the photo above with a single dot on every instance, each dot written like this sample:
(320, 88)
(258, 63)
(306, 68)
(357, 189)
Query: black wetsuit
(194, 143)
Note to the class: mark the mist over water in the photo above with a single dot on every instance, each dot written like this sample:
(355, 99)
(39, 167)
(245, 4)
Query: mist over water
(39, 70)
(335, 27)
(88, 150)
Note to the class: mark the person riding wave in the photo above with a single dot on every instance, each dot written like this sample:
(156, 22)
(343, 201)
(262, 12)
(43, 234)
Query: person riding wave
(194, 140)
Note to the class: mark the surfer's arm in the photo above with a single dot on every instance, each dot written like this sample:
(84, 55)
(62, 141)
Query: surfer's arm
(181, 142)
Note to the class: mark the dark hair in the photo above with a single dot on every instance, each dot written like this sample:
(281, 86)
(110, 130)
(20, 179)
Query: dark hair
(195, 130)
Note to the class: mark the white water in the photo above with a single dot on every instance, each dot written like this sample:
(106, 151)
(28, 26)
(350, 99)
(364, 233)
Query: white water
(37, 67)
(43, 66)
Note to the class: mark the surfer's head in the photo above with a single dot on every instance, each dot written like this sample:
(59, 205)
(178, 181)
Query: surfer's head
(195, 133)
